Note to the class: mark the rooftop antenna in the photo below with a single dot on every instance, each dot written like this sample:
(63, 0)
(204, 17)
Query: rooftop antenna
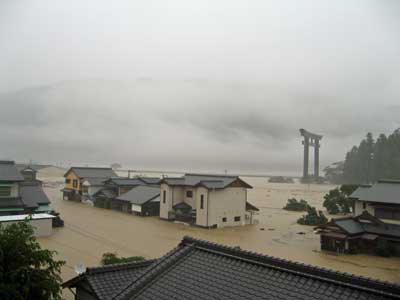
(79, 268)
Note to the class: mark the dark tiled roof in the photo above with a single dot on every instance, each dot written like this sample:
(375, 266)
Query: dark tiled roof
(9, 171)
(150, 180)
(86, 172)
(140, 194)
(384, 191)
(250, 206)
(109, 280)
(201, 270)
(208, 181)
(95, 181)
(105, 192)
(11, 202)
(33, 195)
(364, 224)
(125, 181)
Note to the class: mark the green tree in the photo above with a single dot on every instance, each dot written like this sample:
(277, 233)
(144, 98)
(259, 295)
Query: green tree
(26, 270)
(294, 205)
(338, 201)
(313, 217)
(110, 258)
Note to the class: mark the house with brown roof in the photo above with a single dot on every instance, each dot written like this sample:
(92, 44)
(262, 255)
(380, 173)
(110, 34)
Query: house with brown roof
(206, 200)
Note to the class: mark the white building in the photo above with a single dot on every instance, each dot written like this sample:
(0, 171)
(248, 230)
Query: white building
(381, 200)
(41, 223)
(206, 200)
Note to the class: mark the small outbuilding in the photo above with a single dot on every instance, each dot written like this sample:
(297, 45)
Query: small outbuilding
(42, 223)
(142, 200)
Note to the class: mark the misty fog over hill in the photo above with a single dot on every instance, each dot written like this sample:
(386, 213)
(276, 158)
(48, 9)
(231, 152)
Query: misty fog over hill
(184, 124)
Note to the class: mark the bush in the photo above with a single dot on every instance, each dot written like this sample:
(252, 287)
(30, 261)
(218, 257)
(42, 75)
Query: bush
(280, 179)
(112, 258)
(294, 205)
(313, 217)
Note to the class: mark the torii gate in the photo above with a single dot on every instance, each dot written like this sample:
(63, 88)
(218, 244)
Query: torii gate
(310, 139)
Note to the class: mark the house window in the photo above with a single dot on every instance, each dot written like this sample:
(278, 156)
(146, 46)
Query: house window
(189, 194)
(164, 196)
(202, 202)
(237, 219)
(75, 183)
(5, 191)
(67, 181)
(224, 219)
(364, 205)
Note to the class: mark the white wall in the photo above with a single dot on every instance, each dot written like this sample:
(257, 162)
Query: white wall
(42, 227)
(227, 203)
(358, 208)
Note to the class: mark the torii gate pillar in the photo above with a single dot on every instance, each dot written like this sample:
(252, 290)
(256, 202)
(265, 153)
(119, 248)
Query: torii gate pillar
(313, 140)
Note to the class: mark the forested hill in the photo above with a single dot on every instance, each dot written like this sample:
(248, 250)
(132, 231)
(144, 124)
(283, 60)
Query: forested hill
(370, 161)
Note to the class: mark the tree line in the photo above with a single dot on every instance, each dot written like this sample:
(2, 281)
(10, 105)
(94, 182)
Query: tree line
(368, 162)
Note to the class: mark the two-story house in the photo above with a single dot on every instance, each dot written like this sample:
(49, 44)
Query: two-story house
(21, 192)
(381, 200)
(206, 200)
(76, 176)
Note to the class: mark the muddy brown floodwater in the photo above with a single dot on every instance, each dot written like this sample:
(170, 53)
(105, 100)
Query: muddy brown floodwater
(89, 232)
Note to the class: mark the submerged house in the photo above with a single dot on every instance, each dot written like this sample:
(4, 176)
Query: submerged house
(76, 176)
(360, 234)
(198, 269)
(206, 200)
(107, 197)
(21, 192)
(381, 200)
(142, 200)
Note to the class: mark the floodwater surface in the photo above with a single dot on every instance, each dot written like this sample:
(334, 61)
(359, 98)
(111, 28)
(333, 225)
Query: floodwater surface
(89, 232)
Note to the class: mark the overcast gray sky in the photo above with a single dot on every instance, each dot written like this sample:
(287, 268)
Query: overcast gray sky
(202, 85)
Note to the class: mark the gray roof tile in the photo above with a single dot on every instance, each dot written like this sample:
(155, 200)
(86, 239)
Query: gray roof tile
(33, 195)
(9, 172)
(140, 194)
(86, 172)
(384, 191)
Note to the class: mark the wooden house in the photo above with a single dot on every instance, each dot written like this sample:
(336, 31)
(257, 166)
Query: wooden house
(360, 234)
(76, 176)
(142, 200)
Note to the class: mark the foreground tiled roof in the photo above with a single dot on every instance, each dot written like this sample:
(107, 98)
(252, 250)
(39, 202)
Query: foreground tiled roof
(107, 281)
(202, 270)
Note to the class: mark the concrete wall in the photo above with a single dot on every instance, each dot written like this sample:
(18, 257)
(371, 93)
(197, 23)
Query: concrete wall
(42, 227)
(227, 203)
(165, 204)
(201, 214)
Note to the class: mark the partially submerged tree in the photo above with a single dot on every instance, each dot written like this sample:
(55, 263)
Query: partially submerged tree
(313, 217)
(110, 258)
(26, 270)
(338, 201)
(294, 205)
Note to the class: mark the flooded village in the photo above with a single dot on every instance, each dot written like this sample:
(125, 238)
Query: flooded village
(199, 150)
(91, 231)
